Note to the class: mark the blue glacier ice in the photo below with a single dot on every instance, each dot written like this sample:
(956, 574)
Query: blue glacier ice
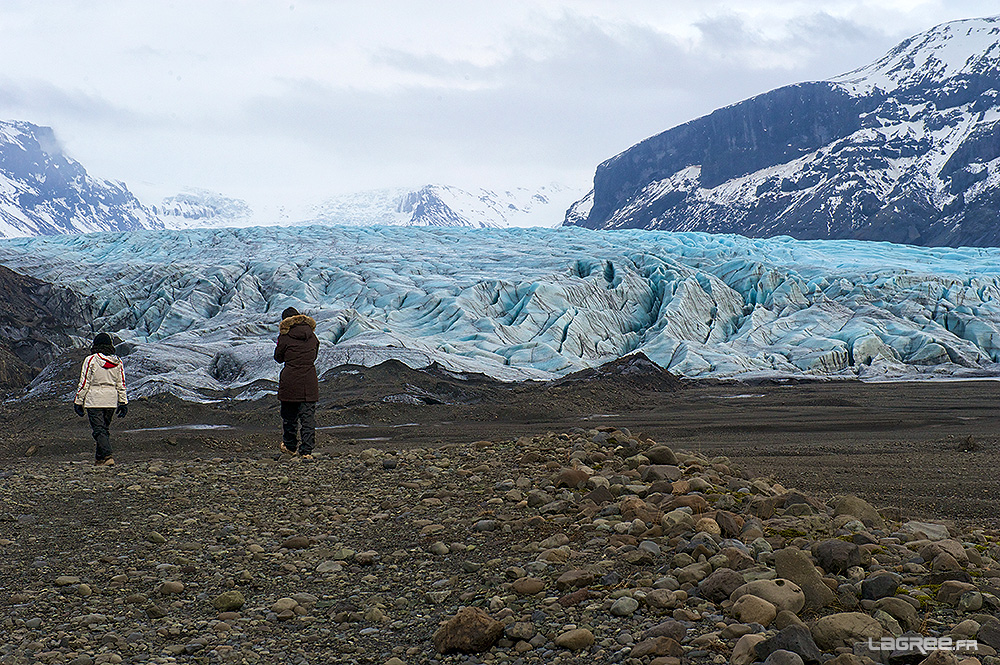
(200, 308)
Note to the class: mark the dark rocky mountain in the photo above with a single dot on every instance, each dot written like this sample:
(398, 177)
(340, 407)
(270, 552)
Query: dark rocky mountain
(44, 192)
(37, 321)
(906, 149)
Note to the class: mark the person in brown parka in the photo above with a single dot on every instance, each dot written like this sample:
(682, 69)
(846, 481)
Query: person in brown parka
(298, 385)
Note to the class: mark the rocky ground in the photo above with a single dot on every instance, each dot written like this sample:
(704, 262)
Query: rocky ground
(593, 544)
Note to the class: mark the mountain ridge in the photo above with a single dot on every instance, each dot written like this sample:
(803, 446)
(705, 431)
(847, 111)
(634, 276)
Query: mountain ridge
(45, 192)
(905, 150)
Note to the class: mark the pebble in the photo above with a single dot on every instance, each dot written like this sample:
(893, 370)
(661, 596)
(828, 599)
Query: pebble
(624, 606)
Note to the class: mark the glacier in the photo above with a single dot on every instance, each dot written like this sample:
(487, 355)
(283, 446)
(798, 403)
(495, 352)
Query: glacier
(198, 310)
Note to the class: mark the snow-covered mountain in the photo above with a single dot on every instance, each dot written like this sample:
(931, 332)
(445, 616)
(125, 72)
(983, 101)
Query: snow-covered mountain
(199, 309)
(906, 149)
(201, 208)
(44, 192)
(446, 205)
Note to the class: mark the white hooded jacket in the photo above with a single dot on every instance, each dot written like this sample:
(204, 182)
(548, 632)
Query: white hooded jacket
(102, 382)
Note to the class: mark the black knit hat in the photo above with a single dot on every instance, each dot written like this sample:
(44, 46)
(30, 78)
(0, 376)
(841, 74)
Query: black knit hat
(103, 344)
(289, 311)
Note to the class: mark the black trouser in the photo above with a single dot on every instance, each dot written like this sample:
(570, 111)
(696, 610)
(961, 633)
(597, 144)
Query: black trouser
(100, 420)
(296, 416)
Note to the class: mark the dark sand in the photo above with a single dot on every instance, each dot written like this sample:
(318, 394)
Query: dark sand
(932, 450)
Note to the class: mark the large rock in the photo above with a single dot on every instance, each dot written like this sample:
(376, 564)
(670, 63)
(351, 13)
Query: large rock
(661, 455)
(655, 472)
(782, 657)
(836, 556)
(953, 548)
(669, 628)
(900, 610)
(657, 646)
(574, 579)
(928, 530)
(754, 609)
(860, 509)
(794, 638)
(989, 634)
(951, 591)
(795, 565)
(940, 658)
(720, 584)
(745, 650)
(470, 631)
(575, 640)
(229, 601)
(880, 585)
(783, 594)
(845, 630)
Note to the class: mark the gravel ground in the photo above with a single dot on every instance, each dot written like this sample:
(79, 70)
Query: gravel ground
(588, 545)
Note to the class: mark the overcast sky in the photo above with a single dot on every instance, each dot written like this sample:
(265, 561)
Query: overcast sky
(296, 100)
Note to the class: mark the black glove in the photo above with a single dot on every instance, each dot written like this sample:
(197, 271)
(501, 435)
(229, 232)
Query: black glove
(122, 410)
(78, 409)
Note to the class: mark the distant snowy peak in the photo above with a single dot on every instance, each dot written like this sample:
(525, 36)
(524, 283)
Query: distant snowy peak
(966, 50)
(44, 192)
(904, 150)
(202, 208)
(446, 205)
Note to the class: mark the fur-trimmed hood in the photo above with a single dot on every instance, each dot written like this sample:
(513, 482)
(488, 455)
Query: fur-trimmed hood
(287, 324)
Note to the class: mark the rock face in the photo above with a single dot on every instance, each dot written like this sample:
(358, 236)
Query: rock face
(44, 192)
(902, 150)
(37, 320)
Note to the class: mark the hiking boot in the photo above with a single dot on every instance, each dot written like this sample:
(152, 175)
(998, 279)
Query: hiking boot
(285, 449)
(308, 458)
(109, 461)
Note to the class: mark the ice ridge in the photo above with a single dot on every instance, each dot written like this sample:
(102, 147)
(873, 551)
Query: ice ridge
(198, 309)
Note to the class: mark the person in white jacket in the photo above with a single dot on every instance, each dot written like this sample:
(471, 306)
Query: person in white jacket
(101, 394)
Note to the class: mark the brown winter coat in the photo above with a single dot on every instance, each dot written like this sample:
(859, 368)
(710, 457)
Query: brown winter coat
(297, 348)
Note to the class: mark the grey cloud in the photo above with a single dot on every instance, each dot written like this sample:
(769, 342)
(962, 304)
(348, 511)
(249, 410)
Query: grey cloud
(38, 99)
(596, 93)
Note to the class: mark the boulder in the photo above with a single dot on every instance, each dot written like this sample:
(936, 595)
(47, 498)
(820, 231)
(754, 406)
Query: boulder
(782, 657)
(655, 472)
(950, 592)
(753, 609)
(661, 455)
(900, 610)
(720, 585)
(794, 638)
(845, 630)
(575, 640)
(860, 509)
(744, 652)
(657, 646)
(880, 585)
(836, 556)
(471, 630)
(573, 579)
(783, 594)
(794, 564)
(229, 601)
(927, 530)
